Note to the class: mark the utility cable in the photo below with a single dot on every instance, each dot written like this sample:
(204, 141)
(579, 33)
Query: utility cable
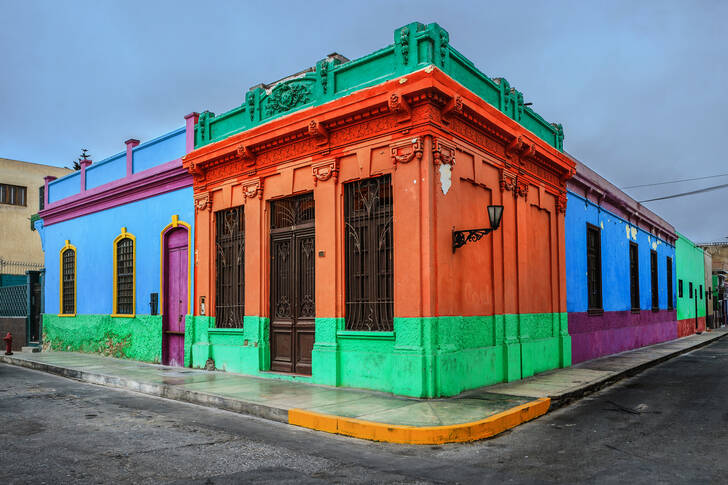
(675, 181)
(692, 192)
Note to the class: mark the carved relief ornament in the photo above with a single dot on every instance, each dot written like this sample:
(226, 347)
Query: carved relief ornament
(404, 151)
(246, 155)
(443, 152)
(252, 188)
(397, 104)
(202, 202)
(507, 180)
(322, 171)
(561, 203)
(319, 132)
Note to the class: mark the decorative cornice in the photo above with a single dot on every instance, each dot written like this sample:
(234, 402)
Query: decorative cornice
(202, 202)
(404, 151)
(323, 171)
(397, 104)
(443, 152)
(253, 188)
(154, 181)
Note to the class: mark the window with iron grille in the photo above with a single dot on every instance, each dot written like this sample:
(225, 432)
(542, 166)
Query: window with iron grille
(679, 288)
(68, 290)
(594, 267)
(653, 271)
(701, 292)
(691, 290)
(12, 194)
(670, 305)
(634, 276)
(230, 267)
(125, 276)
(369, 258)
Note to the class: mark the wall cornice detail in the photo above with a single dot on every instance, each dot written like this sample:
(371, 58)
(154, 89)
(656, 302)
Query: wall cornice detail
(149, 183)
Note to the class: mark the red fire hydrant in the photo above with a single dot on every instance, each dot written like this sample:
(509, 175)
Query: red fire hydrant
(8, 344)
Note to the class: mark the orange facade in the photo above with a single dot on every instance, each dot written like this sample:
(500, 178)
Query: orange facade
(449, 154)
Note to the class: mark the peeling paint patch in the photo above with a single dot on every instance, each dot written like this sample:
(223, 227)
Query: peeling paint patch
(634, 233)
(601, 224)
(445, 177)
(654, 245)
(429, 69)
(627, 229)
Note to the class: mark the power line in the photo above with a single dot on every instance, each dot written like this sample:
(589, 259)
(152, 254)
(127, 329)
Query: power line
(692, 192)
(675, 181)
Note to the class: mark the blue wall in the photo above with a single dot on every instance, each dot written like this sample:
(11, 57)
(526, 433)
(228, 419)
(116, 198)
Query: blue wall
(166, 147)
(93, 237)
(616, 234)
(149, 154)
(64, 187)
(105, 171)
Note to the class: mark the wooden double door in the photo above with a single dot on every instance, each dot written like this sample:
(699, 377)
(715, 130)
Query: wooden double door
(292, 284)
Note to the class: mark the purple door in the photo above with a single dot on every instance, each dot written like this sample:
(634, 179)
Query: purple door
(175, 297)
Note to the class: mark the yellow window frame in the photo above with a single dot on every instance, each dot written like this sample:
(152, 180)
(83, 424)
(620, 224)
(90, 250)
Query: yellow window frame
(125, 235)
(67, 247)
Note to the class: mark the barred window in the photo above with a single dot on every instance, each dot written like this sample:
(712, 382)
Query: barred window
(670, 305)
(369, 258)
(594, 267)
(125, 276)
(653, 270)
(634, 275)
(230, 267)
(68, 282)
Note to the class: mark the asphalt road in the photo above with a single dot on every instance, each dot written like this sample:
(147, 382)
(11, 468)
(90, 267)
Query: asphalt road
(667, 425)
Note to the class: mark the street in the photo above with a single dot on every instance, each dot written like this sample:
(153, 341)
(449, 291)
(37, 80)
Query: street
(665, 425)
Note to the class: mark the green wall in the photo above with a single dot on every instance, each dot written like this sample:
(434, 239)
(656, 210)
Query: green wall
(690, 268)
(422, 357)
(138, 338)
(415, 47)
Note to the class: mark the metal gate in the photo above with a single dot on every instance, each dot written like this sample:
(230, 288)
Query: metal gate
(292, 284)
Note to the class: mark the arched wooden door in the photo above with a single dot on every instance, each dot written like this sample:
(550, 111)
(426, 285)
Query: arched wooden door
(175, 296)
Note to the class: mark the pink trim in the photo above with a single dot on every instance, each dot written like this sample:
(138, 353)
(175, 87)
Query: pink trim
(190, 122)
(130, 144)
(84, 164)
(148, 183)
(46, 180)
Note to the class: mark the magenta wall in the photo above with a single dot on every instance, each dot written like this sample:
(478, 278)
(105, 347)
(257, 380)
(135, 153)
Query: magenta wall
(595, 336)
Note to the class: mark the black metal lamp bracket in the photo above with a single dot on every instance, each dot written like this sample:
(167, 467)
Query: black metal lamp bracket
(461, 238)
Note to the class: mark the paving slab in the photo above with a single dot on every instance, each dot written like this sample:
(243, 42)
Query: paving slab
(475, 414)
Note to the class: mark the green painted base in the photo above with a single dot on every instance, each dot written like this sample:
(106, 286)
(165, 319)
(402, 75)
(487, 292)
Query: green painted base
(138, 338)
(423, 357)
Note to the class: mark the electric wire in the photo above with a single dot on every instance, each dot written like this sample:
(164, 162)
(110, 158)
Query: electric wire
(683, 194)
(675, 181)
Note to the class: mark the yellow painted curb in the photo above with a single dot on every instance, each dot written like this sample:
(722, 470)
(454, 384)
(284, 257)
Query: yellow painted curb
(426, 435)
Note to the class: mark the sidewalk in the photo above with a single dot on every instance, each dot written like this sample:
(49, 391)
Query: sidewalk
(473, 415)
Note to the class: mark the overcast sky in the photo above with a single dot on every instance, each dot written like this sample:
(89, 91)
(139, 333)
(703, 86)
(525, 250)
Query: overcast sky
(640, 87)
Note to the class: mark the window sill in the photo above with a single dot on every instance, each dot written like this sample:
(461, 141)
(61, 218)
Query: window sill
(66, 314)
(636, 310)
(120, 315)
(363, 335)
(222, 331)
(595, 311)
(655, 310)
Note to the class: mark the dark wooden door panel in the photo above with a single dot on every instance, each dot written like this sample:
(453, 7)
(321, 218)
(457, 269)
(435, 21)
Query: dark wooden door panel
(292, 279)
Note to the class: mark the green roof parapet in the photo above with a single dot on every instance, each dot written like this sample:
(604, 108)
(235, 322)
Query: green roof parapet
(415, 47)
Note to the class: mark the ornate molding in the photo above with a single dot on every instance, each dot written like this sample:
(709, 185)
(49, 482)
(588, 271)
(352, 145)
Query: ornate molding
(508, 180)
(404, 151)
(397, 104)
(452, 108)
(285, 97)
(245, 154)
(522, 188)
(202, 202)
(561, 203)
(252, 188)
(322, 171)
(443, 152)
(318, 132)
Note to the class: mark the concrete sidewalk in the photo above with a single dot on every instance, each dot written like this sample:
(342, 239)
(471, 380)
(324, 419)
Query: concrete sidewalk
(473, 415)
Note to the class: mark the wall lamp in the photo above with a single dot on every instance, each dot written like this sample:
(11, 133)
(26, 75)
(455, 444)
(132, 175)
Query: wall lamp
(461, 238)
